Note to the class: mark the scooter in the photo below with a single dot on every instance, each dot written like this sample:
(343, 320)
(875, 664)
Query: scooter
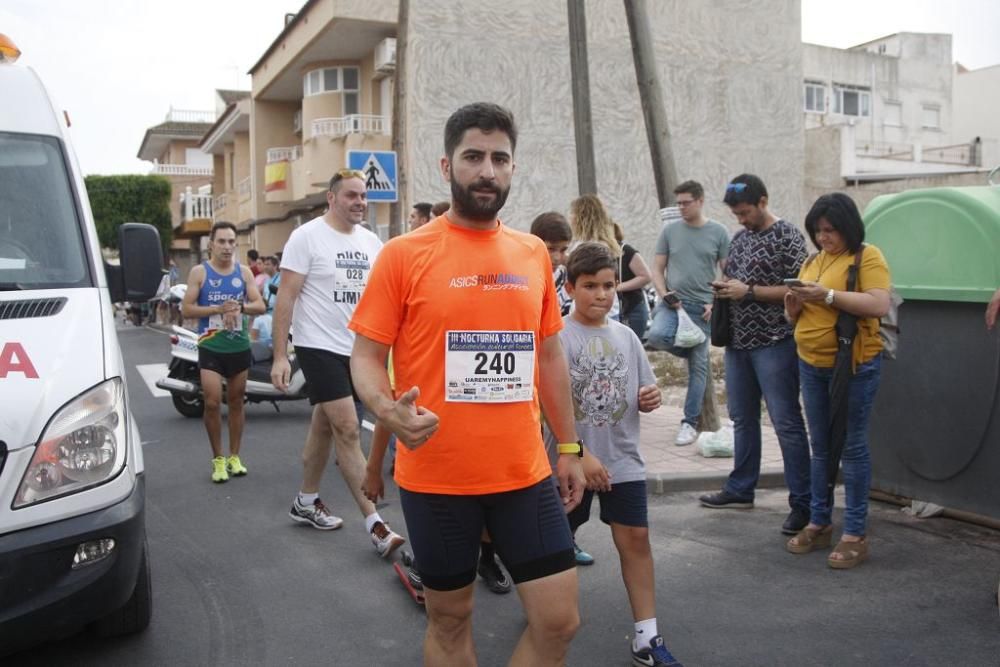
(183, 380)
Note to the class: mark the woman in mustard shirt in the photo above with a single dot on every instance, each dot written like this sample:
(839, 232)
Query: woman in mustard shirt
(836, 229)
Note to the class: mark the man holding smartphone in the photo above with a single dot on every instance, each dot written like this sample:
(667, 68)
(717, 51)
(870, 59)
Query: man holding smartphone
(761, 359)
(687, 253)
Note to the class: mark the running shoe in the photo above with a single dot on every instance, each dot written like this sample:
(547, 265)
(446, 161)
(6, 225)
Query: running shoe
(219, 473)
(414, 578)
(236, 467)
(385, 540)
(493, 576)
(582, 557)
(317, 516)
(655, 655)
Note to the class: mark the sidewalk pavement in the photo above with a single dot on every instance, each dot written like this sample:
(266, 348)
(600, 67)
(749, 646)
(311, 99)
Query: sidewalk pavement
(671, 468)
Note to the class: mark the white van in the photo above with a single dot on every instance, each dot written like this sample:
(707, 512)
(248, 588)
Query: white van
(72, 494)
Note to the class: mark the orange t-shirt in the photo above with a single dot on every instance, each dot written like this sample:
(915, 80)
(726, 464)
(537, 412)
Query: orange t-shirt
(465, 312)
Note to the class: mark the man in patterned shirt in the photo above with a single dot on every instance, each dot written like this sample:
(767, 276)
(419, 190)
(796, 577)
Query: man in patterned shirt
(761, 358)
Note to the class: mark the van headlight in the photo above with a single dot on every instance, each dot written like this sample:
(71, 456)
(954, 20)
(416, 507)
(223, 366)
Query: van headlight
(83, 446)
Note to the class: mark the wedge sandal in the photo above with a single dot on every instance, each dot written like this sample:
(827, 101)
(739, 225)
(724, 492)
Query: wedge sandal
(852, 554)
(808, 539)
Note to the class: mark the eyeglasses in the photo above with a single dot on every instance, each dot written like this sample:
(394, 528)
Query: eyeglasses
(736, 187)
(686, 203)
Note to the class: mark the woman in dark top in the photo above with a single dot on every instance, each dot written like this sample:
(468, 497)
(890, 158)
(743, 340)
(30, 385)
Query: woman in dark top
(634, 276)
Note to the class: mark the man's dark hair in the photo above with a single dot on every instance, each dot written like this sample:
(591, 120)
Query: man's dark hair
(692, 188)
(842, 213)
(589, 258)
(423, 209)
(552, 227)
(745, 189)
(440, 208)
(272, 259)
(252, 254)
(484, 116)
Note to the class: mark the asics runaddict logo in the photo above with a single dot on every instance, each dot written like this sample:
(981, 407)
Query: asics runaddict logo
(490, 281)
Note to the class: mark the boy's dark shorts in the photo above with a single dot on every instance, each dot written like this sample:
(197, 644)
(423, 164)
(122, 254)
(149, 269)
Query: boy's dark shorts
(624, 504)
(528, 528)
(226, 364)
(328, 374)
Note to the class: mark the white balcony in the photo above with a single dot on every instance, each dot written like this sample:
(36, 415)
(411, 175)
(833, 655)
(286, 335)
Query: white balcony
(180, 170)
(353, 124)
(280, 154)
(195, 206)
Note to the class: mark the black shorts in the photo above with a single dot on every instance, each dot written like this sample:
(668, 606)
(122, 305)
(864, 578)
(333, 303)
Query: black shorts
(528, 528)
(226, 364)
(328, 374)
(624, 504)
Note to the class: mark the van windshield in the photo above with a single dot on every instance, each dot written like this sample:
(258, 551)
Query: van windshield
(41, 239)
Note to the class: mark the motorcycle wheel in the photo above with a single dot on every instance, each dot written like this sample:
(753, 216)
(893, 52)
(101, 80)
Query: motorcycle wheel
(189, 406)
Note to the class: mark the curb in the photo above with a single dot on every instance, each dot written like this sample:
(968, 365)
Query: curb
(660, 483)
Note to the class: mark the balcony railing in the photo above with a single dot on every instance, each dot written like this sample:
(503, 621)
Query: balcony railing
(220, 202)
(243, 187)
(196, 206)
(190, 116)
(959, 154)
(286, 153)
(353, 124)
(180, 170)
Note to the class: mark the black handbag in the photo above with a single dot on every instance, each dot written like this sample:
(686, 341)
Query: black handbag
(721, 332)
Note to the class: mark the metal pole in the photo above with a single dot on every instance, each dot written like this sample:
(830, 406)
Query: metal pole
(399, 120)
(580, 82)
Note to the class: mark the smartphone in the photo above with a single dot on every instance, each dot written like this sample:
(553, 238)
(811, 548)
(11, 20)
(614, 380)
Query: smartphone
(671, 299)
(793, 282)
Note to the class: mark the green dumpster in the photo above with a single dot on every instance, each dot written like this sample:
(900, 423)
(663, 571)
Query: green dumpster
(935, 428)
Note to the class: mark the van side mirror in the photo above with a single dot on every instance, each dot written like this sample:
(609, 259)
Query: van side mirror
(140, 270)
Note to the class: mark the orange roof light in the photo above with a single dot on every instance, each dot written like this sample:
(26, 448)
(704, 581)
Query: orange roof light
(8, 52)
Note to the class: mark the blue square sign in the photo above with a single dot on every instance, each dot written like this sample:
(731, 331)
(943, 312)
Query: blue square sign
(379, 168)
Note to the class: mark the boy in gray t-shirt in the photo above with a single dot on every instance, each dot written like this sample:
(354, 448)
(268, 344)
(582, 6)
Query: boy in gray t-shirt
(611, 382)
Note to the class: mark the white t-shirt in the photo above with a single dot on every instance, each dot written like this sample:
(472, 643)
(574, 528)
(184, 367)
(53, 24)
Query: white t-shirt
(336, 267)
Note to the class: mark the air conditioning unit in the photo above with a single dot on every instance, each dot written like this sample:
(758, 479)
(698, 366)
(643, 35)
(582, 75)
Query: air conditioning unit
(385, 57)
(297, 122)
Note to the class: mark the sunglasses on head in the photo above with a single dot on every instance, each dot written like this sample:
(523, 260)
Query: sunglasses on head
(736, 187)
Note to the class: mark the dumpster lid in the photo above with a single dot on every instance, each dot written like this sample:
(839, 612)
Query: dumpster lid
(942, 244)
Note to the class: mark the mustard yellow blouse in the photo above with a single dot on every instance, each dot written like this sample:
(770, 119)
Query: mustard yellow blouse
(815, 335)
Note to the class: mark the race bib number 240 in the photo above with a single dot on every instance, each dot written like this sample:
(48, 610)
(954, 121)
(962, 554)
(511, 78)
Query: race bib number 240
(489, 366)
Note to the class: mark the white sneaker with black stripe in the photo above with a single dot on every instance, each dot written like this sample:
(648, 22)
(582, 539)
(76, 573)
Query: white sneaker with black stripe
(317, 515)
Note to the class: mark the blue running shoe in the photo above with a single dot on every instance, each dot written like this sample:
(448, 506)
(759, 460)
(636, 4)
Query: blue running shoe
(655, 655)
(582, 557)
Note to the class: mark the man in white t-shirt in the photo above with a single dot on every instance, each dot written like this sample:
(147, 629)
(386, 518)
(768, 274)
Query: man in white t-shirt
(324, 270)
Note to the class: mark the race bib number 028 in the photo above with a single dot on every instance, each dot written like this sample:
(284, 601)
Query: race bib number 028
(489, 366)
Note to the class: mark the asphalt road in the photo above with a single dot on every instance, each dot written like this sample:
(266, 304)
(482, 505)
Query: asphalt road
(236, 582)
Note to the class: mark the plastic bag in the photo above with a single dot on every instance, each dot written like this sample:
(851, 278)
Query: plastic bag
(688, 333)
(717, 444)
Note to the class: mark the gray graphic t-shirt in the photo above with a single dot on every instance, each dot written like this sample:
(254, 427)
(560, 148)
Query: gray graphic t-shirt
(607, 365)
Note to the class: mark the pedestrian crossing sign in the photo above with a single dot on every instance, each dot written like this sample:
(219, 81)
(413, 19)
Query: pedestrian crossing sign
(379, 169)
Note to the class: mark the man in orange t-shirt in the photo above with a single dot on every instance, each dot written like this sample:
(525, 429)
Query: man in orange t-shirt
(469, 308)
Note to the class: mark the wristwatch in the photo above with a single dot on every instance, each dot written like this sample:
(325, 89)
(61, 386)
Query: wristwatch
(828, 299)
(749, 296)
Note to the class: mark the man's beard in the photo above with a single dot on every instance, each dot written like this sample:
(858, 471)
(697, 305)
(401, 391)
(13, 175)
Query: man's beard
(467, 206)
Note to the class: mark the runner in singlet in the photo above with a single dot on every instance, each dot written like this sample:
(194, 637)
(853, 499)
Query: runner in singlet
(469, 307)
(220, 294)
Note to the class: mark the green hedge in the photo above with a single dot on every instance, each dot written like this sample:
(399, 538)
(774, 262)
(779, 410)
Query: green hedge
(129, 198)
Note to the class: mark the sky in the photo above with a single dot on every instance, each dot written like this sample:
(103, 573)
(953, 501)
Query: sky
(119, 66)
